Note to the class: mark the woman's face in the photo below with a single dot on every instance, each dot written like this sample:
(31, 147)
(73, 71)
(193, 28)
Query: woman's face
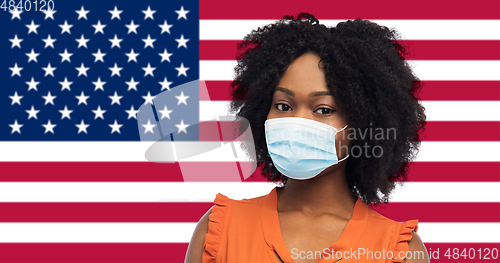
(303, 92)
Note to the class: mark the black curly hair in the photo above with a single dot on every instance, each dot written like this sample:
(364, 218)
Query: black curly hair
(366, 72)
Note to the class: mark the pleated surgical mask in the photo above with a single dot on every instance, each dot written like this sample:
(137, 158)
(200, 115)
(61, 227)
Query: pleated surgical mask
(301, 148)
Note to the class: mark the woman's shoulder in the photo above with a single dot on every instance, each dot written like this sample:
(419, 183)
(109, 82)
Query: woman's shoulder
(399, 236)
(229, 213)
(227, 205)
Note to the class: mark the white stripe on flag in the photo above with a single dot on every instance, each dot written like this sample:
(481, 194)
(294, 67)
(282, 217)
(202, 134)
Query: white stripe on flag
(206, 191)
(424, 69)
(182, 232)
(434, 110)
(135, 151)
(409, 29)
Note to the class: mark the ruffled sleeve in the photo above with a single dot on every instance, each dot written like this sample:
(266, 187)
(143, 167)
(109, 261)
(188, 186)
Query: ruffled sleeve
(405, 235)
(215, 227)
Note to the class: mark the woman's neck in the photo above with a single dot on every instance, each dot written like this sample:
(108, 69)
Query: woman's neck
(325, 193)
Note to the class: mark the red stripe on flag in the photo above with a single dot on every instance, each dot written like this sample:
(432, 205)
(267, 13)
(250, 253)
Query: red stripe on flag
(192, 212)
(446, 131)
(442, 212)
(454, 172)
(156, 172)
(460, 90)
(168, 252)
(366, 9)
(453, 49)
(432, 90)
(103, 212)
(418, 49)
(92, 252)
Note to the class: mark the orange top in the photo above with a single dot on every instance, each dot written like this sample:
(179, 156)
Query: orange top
(249, 230)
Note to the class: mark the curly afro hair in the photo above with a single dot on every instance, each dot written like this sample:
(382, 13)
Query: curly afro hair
(365, 70)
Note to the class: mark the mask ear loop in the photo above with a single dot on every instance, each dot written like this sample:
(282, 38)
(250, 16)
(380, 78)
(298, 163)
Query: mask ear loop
(344, 158)
(347, 154)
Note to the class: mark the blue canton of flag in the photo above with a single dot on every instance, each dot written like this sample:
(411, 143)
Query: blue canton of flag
(81, 72)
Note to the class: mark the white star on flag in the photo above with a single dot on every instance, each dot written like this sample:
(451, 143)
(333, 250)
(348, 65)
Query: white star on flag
(82, 70)
(82, 41)
(132, 84)
(115, 13)
(49, 70)
(99, 27)
(115, 70)
(148, 127)
(99, 113)
(82, 98)
(66, 84)
(82, 127)
(132, 113)
(16, 70)
(182, 70)
(49, 127)
(165, 55)
(99, 56)
(32, 113)
(32, 56)
(132, 55)
(32, 84)
(115, 99)
(182, 41)
(49, 98)
(16, 99)
(82, 13)
(182, 127)
(49, 13)
(115, 127)
(165, 27)
(65, 113)
(65, 56)
(16, 13)
(16, 42)
(65, 27)
(149, 42)
(32, 27)
(132, 27)
(115, 42)
(182, 13)
(149, 98)
(165, 84)
(99, 84)
(49, 41)
(16, 127)
(148, 70)
(148, 13)
(165, 113)
(182, 98)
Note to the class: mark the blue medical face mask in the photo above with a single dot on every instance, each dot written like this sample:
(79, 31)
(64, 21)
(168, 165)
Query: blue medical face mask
(301, 148)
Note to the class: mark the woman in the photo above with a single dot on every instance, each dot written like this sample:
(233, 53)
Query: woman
(335, 117)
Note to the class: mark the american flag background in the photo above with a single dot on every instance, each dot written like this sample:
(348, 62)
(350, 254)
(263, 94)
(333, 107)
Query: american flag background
(74, 183)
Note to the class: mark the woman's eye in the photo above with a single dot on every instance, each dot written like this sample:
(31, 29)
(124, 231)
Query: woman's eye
(324, 111)
(282, 107)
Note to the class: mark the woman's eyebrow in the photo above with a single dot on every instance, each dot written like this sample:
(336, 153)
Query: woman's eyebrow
(312, 94)
(287, 91)
(320, 93)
